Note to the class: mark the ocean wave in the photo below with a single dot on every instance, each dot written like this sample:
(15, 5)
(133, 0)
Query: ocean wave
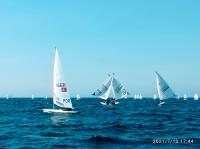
(53, 134)
(102, 139)
(63, 146)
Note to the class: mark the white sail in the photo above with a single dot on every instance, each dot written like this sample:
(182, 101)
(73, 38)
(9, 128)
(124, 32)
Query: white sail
(61, 96)
(119, 90)
(111, 84)
(104, 89)
(164, 91)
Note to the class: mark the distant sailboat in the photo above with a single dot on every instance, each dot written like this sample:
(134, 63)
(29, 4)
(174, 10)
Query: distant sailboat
(140, 96)
(32, 97)
(185, 97)
(7, 97)
(61, 96)
(78, 97)
(164, 91)
(154, 96)
(135, 96)
(111, 84)
(196, 97)
(46, 97)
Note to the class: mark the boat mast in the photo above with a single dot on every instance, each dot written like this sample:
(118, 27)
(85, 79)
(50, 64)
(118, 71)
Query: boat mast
(53, 76)
(112, 86)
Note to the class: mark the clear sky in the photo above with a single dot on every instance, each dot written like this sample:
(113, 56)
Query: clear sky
(133, 38)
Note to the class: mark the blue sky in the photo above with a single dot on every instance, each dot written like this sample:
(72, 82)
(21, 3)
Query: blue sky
(133, 38)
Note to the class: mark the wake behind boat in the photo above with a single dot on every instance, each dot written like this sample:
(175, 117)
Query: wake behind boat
(111, 85)
(61, 97)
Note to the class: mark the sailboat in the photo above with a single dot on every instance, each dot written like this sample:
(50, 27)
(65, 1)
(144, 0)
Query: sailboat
(78, 97)
(164, 91)
(111, 84)
(154, 96)
(196, 97)
(140, 96)
(135, 96)
(185, 97)
(32, 97)
(61, 97)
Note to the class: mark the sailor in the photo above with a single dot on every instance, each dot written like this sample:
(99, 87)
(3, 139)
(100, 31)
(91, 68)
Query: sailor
(113, 101)
(107, 101)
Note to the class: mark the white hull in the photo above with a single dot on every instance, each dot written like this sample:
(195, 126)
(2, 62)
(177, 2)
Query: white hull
(57, 111)
(110, 104)
(161, 103)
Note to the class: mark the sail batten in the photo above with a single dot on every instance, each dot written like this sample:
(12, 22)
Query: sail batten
(164, 90)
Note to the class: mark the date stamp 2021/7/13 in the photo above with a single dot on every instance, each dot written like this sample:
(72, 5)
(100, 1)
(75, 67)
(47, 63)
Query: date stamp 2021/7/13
(176, 141)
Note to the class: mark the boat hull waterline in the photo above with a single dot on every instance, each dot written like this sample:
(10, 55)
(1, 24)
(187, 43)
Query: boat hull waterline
(57, 111)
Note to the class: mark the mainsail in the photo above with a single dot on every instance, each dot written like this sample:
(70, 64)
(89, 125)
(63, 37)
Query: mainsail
(61, 96)
(111, 84)
(164, 91)
(104, 89)
(119, 90)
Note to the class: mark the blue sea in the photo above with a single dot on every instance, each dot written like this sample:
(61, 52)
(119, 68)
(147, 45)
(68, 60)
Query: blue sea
(131, 124)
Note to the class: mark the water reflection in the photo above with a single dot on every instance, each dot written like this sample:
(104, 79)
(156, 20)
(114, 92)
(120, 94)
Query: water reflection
(60, 118)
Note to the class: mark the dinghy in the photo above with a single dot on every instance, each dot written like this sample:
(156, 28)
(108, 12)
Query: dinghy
(111, 85)
(185, 97)
(61, 97)
(140, 97)
(164, 91)
(78, 97)
(154, 96)
(196, 97)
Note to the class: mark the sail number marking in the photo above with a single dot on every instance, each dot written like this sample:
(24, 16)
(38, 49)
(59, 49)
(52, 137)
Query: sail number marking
(66, 100)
